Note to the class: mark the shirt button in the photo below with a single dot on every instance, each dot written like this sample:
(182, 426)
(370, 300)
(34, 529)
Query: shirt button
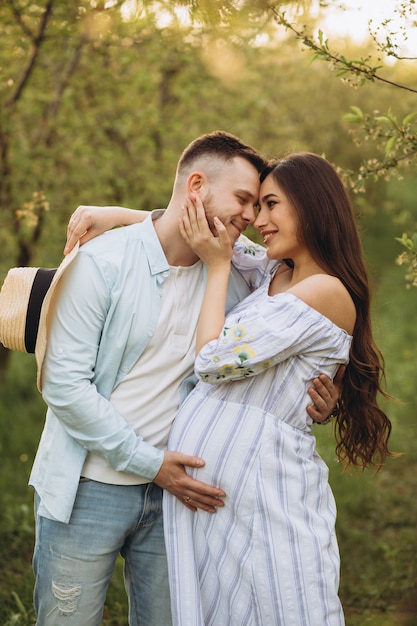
(60, 351)
(149, 334)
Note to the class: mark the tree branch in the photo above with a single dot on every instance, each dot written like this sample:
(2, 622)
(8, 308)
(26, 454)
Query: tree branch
(393, 162)
(36, 44)
(52, 108)
(18, 17)
(322, 52)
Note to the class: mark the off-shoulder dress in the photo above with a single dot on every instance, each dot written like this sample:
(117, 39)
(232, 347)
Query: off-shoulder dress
(270, 555)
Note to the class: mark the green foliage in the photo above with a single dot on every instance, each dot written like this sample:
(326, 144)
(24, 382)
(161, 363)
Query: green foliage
(396, 141)
(96, 109)
(409, 257)
(399, 139)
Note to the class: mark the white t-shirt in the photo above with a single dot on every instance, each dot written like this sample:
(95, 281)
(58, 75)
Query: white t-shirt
(149, 395)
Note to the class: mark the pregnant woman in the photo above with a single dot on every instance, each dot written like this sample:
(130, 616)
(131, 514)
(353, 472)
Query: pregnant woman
(270, 555)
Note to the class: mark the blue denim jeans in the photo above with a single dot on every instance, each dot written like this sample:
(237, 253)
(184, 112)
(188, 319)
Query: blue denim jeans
(73, 563)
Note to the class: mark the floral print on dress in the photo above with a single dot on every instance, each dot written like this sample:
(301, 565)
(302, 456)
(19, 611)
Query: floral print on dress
(236, 332)
(265, 331)
(251, 249)
(243, 352)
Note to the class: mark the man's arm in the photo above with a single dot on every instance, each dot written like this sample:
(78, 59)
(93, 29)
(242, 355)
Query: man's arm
(193, 493)
(87, 416)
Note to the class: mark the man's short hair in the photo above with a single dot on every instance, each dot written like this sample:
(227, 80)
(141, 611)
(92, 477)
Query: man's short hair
(220, 145)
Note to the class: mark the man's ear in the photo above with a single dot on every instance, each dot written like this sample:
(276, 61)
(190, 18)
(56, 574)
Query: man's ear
(195, 182)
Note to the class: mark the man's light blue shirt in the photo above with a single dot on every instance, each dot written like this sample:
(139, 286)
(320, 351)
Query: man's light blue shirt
(105, 313)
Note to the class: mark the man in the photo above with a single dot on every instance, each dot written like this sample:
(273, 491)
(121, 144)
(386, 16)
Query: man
(121, 341)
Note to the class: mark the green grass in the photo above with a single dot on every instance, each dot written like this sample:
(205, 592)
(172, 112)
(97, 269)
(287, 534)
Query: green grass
(377, 538)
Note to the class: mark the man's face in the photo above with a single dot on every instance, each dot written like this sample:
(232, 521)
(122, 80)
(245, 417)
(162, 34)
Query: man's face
(233, 196)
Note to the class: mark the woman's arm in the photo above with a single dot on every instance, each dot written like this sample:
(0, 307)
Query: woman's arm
(216, 253)
(89, 221)
(261, 333)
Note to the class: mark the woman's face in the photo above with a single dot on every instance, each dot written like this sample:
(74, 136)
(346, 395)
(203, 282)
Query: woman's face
(277, 222)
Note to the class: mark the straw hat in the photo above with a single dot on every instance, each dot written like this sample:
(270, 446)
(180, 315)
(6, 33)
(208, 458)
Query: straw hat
(25, 301)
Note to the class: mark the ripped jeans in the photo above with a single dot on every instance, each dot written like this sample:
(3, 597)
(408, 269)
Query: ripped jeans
(73, 563)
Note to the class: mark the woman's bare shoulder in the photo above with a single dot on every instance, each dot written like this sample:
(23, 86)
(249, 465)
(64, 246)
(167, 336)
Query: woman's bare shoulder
(328, 295)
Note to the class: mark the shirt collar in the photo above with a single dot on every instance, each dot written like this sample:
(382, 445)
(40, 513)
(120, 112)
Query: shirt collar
(157, 259)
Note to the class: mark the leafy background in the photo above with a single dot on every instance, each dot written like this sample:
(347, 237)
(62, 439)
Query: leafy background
(96, 105)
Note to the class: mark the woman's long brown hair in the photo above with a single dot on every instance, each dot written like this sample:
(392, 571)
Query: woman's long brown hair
(327, 226)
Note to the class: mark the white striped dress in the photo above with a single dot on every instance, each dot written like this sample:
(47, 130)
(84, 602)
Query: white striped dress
(270, 555)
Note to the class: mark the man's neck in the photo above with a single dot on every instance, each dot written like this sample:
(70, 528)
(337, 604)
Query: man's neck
(177, 252)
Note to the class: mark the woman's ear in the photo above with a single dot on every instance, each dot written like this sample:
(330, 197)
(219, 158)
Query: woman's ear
(195, 182)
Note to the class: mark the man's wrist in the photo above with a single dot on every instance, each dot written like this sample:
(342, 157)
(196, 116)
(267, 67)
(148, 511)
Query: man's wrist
(331, 417)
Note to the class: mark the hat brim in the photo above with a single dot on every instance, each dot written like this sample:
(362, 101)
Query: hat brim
(46, 310)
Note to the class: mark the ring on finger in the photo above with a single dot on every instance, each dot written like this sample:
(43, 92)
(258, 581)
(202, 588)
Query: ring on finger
(187, 499)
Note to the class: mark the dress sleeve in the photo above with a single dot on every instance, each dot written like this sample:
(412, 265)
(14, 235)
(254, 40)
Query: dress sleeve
(251, 261)
(258, 335)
